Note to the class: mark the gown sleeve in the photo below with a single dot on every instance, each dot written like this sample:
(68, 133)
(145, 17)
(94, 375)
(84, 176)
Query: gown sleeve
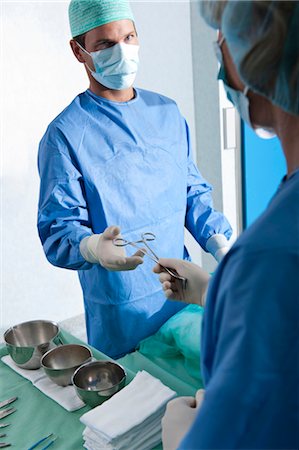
(63, 219)
(250, 350)
(202, 220)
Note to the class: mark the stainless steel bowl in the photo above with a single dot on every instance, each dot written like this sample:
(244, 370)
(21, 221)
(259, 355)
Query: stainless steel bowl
(97, 381)
(61, 362)
(28, 341)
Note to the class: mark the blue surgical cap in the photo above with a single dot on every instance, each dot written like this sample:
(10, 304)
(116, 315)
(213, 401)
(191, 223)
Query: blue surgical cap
(263, 40)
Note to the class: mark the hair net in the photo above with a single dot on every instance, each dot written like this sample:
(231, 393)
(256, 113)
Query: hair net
(84, 15)
(263, 40)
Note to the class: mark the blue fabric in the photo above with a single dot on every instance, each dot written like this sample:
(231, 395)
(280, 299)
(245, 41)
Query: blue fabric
(250, 338)
(106, 163)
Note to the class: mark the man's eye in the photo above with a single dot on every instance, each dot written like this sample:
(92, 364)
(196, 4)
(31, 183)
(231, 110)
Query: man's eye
(130, 37)
(104, 45)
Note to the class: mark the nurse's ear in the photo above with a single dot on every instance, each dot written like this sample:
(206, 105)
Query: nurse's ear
(77, 51)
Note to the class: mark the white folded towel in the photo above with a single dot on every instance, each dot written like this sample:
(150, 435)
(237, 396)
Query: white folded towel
(148, 438)
(64, 396)
(131, 419)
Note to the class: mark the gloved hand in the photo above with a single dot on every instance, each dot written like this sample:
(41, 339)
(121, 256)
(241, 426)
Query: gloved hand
(197, 281)
(99, 249)
(179, 416)
(218, 246)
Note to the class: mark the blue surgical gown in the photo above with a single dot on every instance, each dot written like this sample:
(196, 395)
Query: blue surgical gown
(250, 337)
(106, 163)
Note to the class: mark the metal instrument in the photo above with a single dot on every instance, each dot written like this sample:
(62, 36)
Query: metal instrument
(8, 401)
(6, 412)
(40, 441)
(145, 238)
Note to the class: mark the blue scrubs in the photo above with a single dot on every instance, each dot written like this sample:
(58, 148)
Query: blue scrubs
(106, 163)
(250, 340)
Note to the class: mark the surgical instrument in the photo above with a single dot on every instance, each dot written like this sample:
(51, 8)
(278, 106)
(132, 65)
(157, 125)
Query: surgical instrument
(50, 443)
(145, 238)
(3, 445)
(43, 440)
(6, 412)
(7, 402)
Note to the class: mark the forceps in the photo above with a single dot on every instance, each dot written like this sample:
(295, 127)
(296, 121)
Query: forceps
(43, 440)
(145, 238)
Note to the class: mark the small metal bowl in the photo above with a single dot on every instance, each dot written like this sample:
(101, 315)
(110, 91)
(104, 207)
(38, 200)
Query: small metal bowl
(97, 381)
(61, 362)
(28, 341)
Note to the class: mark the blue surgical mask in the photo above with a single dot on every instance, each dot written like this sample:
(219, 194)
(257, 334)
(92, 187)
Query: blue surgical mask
(115, 67)
(239, 98)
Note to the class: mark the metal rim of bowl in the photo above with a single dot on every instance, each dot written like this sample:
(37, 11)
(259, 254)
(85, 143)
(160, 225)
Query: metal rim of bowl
(93, 363)
(65, 368)
(25, 323)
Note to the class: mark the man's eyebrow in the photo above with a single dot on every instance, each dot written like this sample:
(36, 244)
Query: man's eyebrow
(104, 41)
(109, 41)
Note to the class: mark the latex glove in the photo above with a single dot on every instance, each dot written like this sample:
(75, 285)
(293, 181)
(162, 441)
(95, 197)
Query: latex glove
(179, 416)
(197, 281)
(218, 246)
(99, 249)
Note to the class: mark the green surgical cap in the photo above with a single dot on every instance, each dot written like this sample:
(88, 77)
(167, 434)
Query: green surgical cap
(84, 15)
(263, 40)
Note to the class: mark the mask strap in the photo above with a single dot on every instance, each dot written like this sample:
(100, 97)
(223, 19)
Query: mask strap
(221, 41)
(85, 51)
(82, 48)
(245, 90)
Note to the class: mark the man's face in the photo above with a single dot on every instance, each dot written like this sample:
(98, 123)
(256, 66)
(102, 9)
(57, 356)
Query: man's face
(105, 36)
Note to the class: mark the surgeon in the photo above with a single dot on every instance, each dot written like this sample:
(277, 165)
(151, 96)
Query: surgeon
(119, 155)
(250, 335)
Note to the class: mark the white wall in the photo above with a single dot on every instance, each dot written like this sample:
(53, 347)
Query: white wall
(39, 78)
(221, 167)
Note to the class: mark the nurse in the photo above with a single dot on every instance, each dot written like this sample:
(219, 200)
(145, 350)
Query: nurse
(250, 336)
(119, 155)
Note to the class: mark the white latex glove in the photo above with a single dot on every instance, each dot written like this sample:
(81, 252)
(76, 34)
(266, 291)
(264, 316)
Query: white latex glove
(179, 416)
(99, 249)
(197, 281)
(218, 246)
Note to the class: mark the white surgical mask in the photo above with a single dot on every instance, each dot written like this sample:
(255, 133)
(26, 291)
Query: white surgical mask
(115, 67)
(240, 99)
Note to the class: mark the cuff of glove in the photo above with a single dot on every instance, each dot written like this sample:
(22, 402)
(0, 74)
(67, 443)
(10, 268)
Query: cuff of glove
(88, 247)
(218, 246)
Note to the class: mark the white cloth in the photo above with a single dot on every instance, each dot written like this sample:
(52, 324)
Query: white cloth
(64, 396)
(131, 419)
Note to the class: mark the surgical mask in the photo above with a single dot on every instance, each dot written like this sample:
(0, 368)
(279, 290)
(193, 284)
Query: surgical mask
(239, 98)
(116, 66)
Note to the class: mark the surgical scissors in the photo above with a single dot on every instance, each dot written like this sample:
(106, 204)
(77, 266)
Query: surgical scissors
(145, 238)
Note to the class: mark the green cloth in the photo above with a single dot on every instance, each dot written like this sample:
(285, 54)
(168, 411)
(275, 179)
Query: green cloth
(84, 15)
(37, 415)
(179, 337)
